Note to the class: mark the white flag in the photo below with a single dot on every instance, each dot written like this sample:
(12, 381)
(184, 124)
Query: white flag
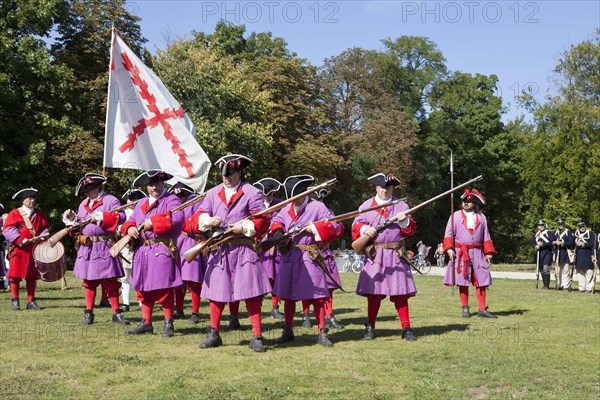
(146, 128)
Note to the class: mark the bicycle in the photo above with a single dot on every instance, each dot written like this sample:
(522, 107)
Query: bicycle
(350, 261)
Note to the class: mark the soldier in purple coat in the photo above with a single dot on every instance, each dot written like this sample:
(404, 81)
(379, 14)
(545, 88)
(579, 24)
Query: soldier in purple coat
(233, 269)
(94, 264)
(473, 248)
(155, 271)
(302, 275)
(387, 273)
(192, 273)
(271, 259)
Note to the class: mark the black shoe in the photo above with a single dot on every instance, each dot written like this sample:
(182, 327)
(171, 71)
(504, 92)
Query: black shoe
(322, 338)
(212, 340)
(16, 305)
(408, 334)
(32, 305)
(195, 318)
(169, 329)
(286, 336)
(333, 323)
(369, 331)
(104, 304)
(306, 320)
(118, 318)
(485, 314)
(466, 313)
(234, 325)
(88, 317)
(178, 315)
(276, 314)
(545, 287)
(125, 307)
(141, 329)
(256, 344)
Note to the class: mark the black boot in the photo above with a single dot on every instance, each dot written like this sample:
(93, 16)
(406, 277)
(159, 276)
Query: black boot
(169, 329)
(466, 313)
(408, 334)
(178, 314)
(306, 320)
(212, 340)
(485, 314)
(234, 324)
(333, 323)
(118, 318)
(286, 336)
(16, 305)
(275, 313)
(141, 329)
(322, 338)
(195, 318)
(256, 344)
(88, 317)
(32, 305)
(369, 331)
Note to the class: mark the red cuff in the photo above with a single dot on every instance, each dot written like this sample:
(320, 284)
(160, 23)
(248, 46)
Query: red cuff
(329, 231)
(447, 244)
(275, 226)
(162, 223)
(356, 227)
(261, 225)
(110, 220)
(411, 229)
(126, 226)
(194, 222)
(187, 225)
(488, 247)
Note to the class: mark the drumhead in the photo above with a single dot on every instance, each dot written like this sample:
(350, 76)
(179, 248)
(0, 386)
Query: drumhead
(45, 253)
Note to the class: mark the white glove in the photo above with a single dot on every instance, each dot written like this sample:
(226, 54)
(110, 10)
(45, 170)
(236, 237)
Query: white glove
(69, 217)
(98, 217)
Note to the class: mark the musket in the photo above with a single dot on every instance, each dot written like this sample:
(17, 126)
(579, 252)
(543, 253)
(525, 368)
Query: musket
(595, 264)
(57, 237)
(556, 256)
(115, 250)
(452, 220)
(275, 240)
(537, 268)
(360, 244)
(220, 236)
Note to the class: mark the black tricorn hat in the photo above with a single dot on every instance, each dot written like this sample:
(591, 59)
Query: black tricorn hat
(560, 220)
(89, 182)
(267, 185)
(383, 179)
(181, 190)
(151, 176)
(319, 194)
(540, 222)
(133, 195)
(231, 163)
(581, 224)
(297, 184)
(25, 193)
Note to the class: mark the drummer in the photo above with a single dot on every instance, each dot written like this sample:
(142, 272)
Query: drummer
(24, 227)
(94, 264)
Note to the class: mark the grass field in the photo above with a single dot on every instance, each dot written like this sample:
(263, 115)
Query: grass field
(545, 344)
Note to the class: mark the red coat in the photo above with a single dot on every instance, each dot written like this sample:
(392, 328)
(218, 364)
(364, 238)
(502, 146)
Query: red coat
(14, 229)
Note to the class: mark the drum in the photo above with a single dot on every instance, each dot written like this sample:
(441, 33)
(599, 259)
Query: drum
(49, 261)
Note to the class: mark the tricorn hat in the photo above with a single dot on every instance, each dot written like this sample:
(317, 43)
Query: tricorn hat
(297, 184)
(319, 194)
(383, 179)
(560, 220)
(133, 195)
(181, 190)
(25, 193)
(581, 224)
(231, 163)
(151, 176)
(473, 196)
(540, 222)
(89, 182)
(267, 185)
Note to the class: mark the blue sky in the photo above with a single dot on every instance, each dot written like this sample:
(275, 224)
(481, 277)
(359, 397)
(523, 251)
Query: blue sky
(519, 41)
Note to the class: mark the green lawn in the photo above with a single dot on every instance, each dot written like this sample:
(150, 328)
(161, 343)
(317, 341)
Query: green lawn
(545, 344)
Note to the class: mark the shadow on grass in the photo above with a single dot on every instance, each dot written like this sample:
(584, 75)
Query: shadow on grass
(518, 311)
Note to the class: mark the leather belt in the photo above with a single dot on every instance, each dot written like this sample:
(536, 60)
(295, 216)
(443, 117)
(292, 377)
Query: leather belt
(310, 247)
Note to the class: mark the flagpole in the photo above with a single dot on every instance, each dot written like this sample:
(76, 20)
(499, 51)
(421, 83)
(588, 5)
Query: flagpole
(452, 218)
(110, 68)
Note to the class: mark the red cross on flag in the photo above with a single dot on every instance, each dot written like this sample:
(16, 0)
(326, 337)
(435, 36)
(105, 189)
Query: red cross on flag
(146, 128)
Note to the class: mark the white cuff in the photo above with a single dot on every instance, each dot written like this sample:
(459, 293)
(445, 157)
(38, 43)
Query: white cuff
(203, 222)
(248, 228)
(98, 216)
(404, 223)
(363, 229)
(315, 232)
(66, 221)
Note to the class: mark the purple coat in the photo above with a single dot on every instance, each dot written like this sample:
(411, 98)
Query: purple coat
(190, 271)
(271, 259)
(473, 244)
(385, 274)
(95, 262)
(153, 266)
(299, 277)
(234, 273)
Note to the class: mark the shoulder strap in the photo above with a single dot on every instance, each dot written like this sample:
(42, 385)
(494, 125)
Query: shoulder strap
(27, 221)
